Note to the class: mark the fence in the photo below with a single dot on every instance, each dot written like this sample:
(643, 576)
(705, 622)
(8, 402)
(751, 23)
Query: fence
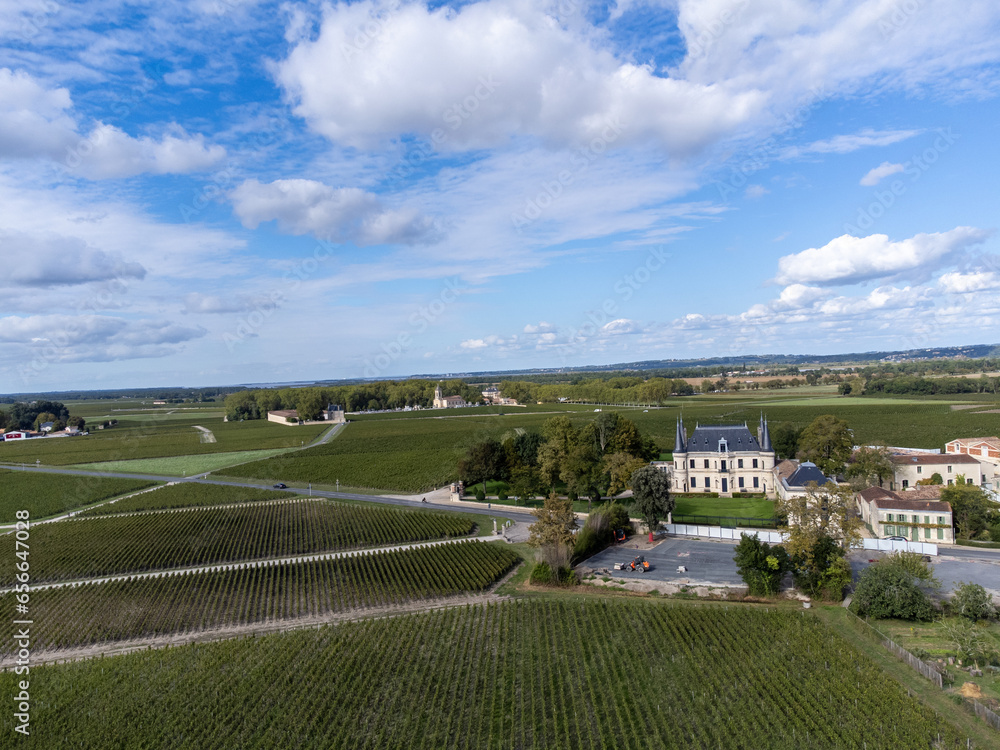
(888, 545)
(737, 521)
(921, 666)
(986, 715)
(721, 532)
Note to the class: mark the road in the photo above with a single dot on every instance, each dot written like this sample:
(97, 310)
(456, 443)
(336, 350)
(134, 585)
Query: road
(497, 510)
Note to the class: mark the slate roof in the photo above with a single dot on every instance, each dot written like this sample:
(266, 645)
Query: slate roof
(738, 438)
(807, 472)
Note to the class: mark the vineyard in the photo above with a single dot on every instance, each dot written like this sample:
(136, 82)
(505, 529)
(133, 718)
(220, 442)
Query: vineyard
(50, 494)
(99, 613)
(187, 495)
(567, 673)
(88, 547)
(157, 436)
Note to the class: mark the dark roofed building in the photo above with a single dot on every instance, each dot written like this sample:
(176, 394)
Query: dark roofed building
(792, 479)
(723, 459)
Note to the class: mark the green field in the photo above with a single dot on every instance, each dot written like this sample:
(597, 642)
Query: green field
(156, 438)
(568, 673)
(112, 545)
(102, 613)
(182, 466)
(187, 495)
(725, 506)
(44, 495)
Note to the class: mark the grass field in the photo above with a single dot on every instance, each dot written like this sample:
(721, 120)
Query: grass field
(182, 466)
(725, 506)
(156, 438)
(568, 673)
(44, 495)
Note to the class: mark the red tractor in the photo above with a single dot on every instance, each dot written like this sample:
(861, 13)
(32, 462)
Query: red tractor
(639, 564)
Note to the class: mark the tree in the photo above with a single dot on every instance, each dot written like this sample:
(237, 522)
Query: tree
(310, 404)
(620, 467)
(827, 511)
(760, 565)
(870, 466)
(818, 569)
(651, 497)
(525, 483)
(827, 442)
(552, 533)
(785, 439)
(78, 422)
(972, 644)
(973, 602)
(889, 589)
(484, 460)
(971, 510)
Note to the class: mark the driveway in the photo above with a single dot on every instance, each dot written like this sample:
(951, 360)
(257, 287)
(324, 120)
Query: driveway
(707, 563)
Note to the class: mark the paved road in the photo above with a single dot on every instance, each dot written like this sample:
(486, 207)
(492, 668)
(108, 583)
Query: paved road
(708, 563)
(498, 511)
(954, 565)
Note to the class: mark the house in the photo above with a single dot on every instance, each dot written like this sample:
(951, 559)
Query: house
(984, 449)
(283, 416)
(47, 426)
(723, 459)
(910, 468)
(447, 402)
(491, 393)
(159, 402)
(333, 413)
(889, 513)
(794, 479)
(18, 435)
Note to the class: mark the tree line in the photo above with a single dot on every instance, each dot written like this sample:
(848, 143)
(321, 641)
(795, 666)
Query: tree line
(23, 415)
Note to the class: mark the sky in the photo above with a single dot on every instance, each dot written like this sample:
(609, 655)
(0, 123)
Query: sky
(226, 191)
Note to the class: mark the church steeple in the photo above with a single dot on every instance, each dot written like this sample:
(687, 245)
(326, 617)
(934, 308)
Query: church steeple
(680, 438)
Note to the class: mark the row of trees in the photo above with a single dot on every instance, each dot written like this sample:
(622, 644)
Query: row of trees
(309, 402)
(595, 460)
(30, 416)
(883, 383)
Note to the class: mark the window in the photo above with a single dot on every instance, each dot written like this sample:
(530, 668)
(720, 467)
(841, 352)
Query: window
(927, 533)
(906, 483)
(920, 470)
(951, 482)
(723, 465)
(755, 483)
(949, 470)
(739, 463)
(694, 482)
(890, 531)
(940, 533)
(692, 463)
(755, 463)
(740, 481)
(888, 516)
(706, 464)
(927, 519)
(969, 480)
(941, 520)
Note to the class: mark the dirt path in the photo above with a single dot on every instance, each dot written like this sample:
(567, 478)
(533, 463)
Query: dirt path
(207, 436)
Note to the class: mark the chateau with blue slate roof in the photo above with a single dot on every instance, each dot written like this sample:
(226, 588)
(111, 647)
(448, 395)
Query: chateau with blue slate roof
(723, 459)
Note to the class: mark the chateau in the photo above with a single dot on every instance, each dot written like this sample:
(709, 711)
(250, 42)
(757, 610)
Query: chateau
(723, 459)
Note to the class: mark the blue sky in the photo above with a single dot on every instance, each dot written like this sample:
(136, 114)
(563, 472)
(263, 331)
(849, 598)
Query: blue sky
(222, 191)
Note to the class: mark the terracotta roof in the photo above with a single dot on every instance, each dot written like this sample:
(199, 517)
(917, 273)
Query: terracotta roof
(934, 458)
(923, 492)
(785, 468)
(888, 500)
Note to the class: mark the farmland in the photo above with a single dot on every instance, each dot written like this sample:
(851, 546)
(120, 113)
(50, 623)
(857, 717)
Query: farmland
(108, 545)
(155, 437)
(50, 494)
(187, 495)
(548, 673)
(102, 613)
(413, 451)
(181, 466)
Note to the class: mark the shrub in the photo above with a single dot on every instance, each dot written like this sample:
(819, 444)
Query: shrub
(888, 590)
(502, 496)
(541, 574)
(480, 494)
(973, 602)
(760, 565)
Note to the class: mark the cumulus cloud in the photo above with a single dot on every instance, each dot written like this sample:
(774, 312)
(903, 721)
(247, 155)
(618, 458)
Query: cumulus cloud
(474, 344)
(879, 173)
(335, 214)
(849, 260)
(55, 260)
(964, 283)
(38, 122)
(474, 76)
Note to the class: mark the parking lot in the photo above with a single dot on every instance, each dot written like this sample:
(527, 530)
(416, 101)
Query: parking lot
(710, 563)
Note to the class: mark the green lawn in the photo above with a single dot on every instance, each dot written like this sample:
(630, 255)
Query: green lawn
(182, 466)
(725, 506)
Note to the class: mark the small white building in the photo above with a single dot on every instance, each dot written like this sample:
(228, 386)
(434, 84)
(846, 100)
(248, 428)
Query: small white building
(903, 514)
(910, 468)
(986, 450)
(794, 479)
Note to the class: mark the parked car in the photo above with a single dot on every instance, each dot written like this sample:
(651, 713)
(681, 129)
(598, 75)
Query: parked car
(896, 538)
(281, 486)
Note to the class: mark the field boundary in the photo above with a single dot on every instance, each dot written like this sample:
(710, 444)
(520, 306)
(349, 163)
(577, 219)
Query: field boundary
(901, 653)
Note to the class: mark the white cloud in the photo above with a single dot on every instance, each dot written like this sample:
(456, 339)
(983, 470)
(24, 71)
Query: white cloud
(476, 75)
(756, 191)
(845, 144)
(37, 122)
(877, 174)
(53, 260)
(849, 260)
(473, 344)
(198, 303)
(541, 328)
(963, 283)
(335, 214)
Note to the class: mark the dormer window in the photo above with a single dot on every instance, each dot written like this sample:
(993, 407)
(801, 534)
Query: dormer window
(723, 446)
